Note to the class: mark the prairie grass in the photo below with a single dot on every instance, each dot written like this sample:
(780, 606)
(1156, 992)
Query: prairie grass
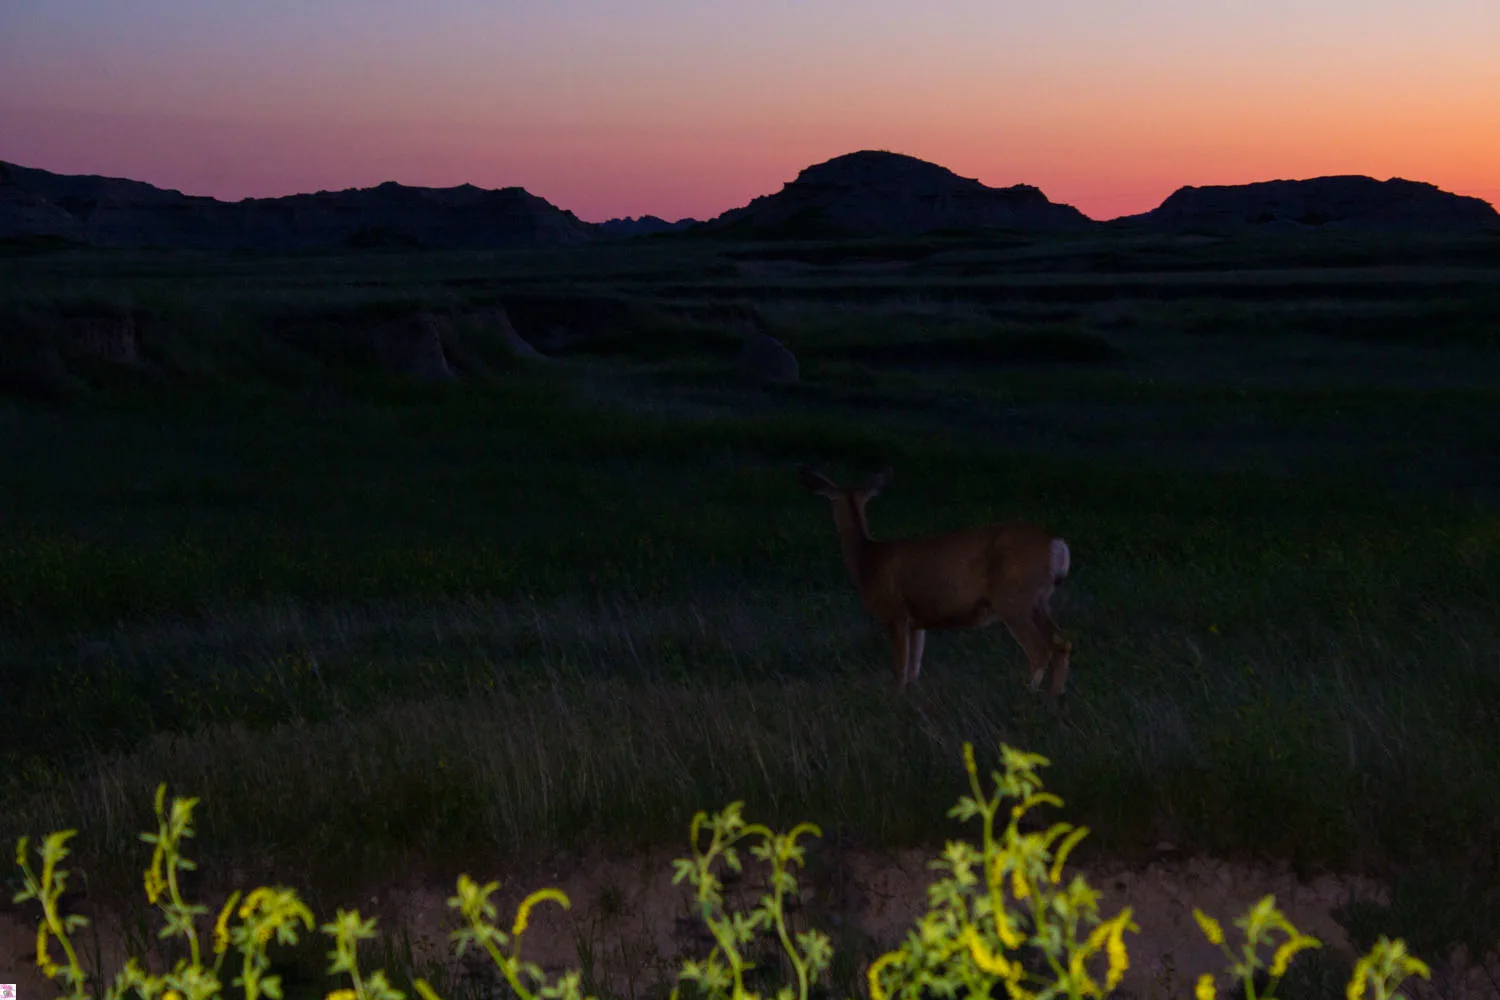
(540, 606)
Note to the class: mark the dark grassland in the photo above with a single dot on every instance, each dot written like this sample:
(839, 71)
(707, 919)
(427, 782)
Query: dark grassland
(372, 620)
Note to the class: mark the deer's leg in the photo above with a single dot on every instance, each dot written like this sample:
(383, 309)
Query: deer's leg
(1060, 650)
(1060, 666)
(900, 631)
(1024, 627)
(915, 645)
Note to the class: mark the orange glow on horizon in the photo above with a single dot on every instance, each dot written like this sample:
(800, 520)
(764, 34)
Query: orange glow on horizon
(675, 109)
(700, 176)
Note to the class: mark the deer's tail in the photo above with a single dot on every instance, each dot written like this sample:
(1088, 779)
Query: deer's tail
(1062, 559)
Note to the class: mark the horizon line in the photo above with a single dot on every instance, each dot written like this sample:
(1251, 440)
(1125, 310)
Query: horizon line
(1493, 202)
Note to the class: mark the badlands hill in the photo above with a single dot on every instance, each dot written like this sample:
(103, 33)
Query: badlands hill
(873, 193)
(1344, 202)
(107, 211)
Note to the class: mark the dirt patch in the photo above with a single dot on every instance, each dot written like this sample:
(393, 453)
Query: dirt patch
(630, 928)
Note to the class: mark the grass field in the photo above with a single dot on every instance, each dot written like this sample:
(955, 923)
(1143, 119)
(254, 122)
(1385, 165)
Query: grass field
(371, 619)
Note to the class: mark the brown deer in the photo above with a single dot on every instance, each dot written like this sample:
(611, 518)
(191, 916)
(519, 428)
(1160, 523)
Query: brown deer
(961, 579)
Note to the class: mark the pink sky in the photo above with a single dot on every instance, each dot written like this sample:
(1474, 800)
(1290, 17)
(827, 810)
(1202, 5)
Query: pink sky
(678, 108)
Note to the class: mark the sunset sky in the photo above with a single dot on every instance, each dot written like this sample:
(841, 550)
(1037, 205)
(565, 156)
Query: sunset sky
(691, 107)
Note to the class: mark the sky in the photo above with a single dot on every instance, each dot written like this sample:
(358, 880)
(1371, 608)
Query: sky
(691, 107)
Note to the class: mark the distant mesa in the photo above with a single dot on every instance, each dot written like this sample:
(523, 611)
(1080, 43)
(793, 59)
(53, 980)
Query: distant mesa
(646, 225)
(107, 211)
(877, 193)
(1351, 202)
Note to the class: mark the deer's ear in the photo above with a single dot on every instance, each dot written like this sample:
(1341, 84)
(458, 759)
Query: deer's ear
(880, 482)
(816, 483)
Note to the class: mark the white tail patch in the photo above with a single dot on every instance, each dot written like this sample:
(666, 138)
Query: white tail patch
(1061, 559)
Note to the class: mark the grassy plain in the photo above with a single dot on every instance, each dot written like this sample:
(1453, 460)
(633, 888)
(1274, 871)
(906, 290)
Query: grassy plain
(550, 605)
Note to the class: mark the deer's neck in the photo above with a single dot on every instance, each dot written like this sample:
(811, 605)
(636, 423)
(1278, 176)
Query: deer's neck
(854, 541)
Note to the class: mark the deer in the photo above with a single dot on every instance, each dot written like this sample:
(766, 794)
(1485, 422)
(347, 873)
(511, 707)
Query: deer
(962, 579)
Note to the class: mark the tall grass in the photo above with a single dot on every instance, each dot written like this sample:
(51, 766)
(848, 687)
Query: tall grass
(1284, 686)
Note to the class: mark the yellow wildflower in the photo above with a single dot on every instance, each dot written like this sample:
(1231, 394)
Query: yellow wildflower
(221, 926)
(1079, 975)
(252, 901)
(1018, 886)
(1119, 958)
(1288, 949)
(1211, 928)
(523, 915)
(1008, 934)
(1063, 849)
(872, 977)
(984, 958)
(1356, 988)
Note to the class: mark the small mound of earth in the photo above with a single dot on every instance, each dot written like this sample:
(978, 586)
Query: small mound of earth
(413, 346)
(495, 318)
